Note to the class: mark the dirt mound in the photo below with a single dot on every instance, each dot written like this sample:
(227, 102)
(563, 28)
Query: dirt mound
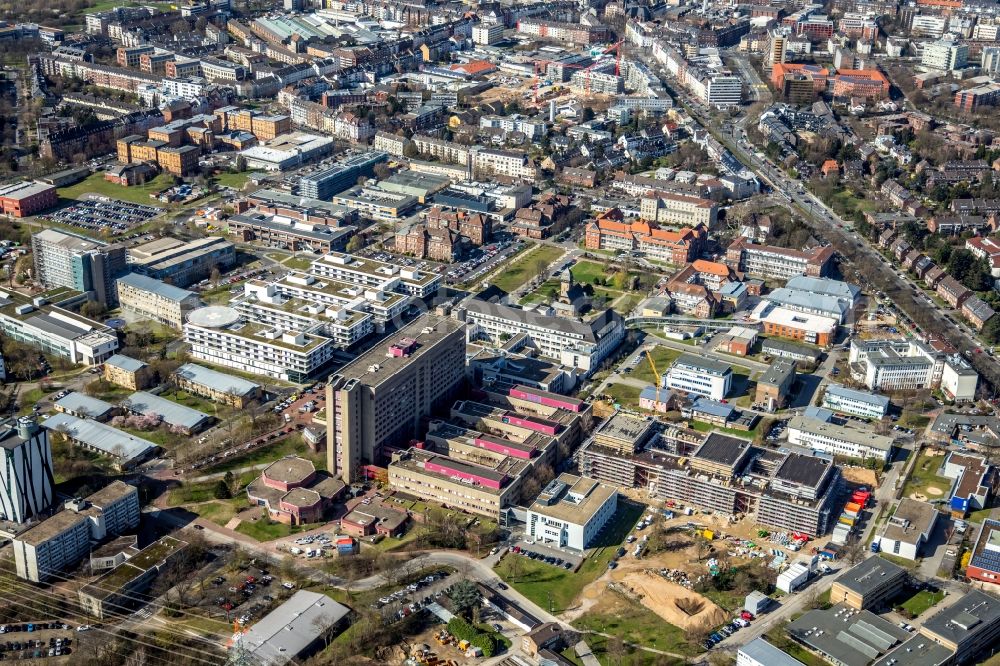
(677, 605)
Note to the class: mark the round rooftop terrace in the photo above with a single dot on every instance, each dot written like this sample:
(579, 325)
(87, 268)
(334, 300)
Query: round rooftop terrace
(214, 316)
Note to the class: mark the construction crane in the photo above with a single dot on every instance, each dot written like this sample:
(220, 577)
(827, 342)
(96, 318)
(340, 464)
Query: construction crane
(656, 375)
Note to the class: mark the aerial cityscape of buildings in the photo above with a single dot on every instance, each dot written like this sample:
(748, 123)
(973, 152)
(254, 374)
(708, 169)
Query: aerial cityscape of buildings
(530, 334)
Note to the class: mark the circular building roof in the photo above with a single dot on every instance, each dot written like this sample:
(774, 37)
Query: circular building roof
(214, 316)
(291, 470)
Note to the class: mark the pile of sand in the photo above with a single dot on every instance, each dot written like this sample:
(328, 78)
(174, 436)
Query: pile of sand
(677, 605)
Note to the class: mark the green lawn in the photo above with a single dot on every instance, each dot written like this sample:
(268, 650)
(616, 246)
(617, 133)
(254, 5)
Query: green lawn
(298, 263)
(624, 395)
(233, 180)
(900, 561)
(159, 436)
(95, 184)
(203, 405)
(264, 530)
(524, 267)
(628, 303)
(662, 357)
(217, 296)
(914, 420)
(27, 399)
(634, 623)
(708, 427)
(220, 512)
(556, 589)
(290, 445)
(921, 601)
(585, 272)
(980, 515)
(923, 478)
(190, 493)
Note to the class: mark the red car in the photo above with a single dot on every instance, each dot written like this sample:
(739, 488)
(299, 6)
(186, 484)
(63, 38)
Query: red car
(746, 615)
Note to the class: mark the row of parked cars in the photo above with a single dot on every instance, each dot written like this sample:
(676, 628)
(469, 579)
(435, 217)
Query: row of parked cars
(402, 594)
(727, 630)
(548, 559)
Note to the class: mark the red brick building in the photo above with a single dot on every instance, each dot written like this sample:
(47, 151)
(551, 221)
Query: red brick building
(293, 492)
(27, 198)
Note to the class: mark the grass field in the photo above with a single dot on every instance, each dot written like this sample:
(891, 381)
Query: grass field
(263, 530)
(662, 357)
(633, 623)
(556, 589)
(525, 266)
(290, 445)
(203, 405)
(980, 515)
(95, 184)
(921, 601)
(625, 395)
(923, 479)
(233, 180)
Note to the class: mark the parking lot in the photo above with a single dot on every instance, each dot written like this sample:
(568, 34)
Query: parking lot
(40, 640)
(414, 596)
(547, 554)
(244, 595)
(105, 214)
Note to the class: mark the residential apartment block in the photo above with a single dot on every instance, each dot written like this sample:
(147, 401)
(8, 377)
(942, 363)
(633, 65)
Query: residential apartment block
(58, 543)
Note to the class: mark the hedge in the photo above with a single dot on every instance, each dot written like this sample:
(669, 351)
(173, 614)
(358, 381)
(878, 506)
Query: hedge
(462, 630)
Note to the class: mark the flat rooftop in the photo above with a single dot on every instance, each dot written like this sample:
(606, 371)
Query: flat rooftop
(975, 612)
(722, 449)
(871, 574)
(847, 636)
(373, 268)
(426, 332)
(910, 520)
(571, 498)
(625, 428)
(290, 470)
(918, 651)
(847, 432)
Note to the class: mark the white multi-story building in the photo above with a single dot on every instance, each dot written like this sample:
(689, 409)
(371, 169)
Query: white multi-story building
(265, 303)
(219, 335)
(514, 164)
(945, 55)
(26, 477)
(570, 512)
(487, 33)
(928, 25)
(700, 376)
(56, 330)
(908, 528)
(371, 273)
(895, 365)
(577, 344)
(958, 379)
(530, 127)
(848, 401)
(384, 306)
(678, 209)
(846, 440)
(723, 91)
(390, 143)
